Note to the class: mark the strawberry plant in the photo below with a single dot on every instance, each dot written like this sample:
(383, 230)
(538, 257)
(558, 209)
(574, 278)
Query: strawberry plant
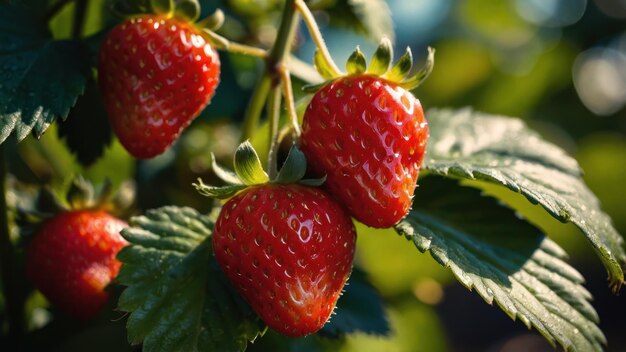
(330, 171)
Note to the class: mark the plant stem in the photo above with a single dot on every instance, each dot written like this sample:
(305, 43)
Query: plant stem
(316, 35)
(285, 36)
(285, 78)
(13, 302)
(222, 43)
(237, 48)
(255, 106)
(270, 76)
(79, 18)
(273, 112)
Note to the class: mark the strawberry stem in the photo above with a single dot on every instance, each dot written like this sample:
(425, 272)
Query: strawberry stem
(255, 106)
(285, 77)
(270, 78)
(273, 111)
(79, 18)
(13, 300)
(237, 48)
(317, 37)
(222, 43)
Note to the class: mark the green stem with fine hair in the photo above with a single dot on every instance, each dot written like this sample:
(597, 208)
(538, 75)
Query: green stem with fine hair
(255, 106)
(270, 77)
(273, 113)
(316, 35)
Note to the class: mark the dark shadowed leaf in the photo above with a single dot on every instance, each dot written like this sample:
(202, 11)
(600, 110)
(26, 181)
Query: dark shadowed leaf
(41, 77)
(178, 298)
(87, 131)
(490, 250)
(359, 309)
(471, 145)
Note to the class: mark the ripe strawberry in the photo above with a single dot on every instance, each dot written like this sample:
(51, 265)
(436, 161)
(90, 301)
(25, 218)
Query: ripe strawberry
(288, 249)
(368, 135)
(71, 260)
(156, 75)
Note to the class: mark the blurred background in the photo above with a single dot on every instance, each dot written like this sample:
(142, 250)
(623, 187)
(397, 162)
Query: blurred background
(558, 64)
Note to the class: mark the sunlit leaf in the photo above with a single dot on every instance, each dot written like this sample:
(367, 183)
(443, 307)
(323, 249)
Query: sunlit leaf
(471, 145)
(504, 260)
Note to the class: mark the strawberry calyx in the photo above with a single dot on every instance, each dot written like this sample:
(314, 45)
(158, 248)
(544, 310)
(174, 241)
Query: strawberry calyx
(81, 195)
(380, 65)
(248, 172)
(186, 11)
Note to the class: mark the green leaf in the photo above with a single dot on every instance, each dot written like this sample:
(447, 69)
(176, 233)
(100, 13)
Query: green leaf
(359, 309)
(471, 145)
(293, 168)
(248, 165)
(41, 77)
(371, 17)
(356, 63)
(490, 250)
(178, 298)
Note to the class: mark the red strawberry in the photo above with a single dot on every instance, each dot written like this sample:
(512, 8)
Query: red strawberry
(71, 260)
(288, 249)
(368, 135)
(156, 75)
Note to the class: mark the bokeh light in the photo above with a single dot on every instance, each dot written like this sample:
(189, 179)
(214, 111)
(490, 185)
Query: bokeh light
(600, 79)
(551, 13)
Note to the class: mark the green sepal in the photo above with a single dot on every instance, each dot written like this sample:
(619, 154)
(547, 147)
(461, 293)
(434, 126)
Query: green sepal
(313, 182)
(225, 175)
(213, 22)
(356, 63)
(123, 199)
(294, 167)
(80, 194)
(420, 76)
(312, 88)
(223, 192)
(322, 66)
(248, 165)
(401, 68)
(381, 60)
(162, 7)
(187, 10)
